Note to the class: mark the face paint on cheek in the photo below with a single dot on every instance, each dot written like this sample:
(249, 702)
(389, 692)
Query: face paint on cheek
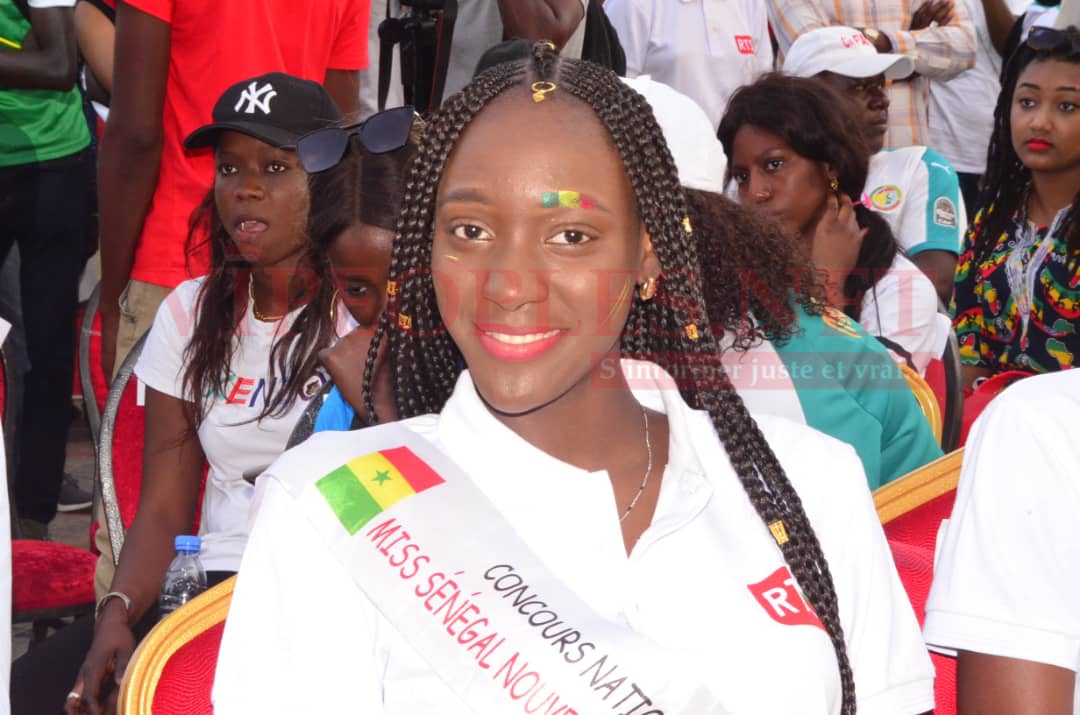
(565, 199)
(452, 258)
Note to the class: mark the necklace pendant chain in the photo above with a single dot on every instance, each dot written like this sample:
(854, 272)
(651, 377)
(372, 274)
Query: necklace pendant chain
(648, 469)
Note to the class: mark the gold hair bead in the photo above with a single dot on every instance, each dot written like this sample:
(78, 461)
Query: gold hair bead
(779, 532)
(405, 321)
(692, 331)
(391, 287)
(686, 226)
(541, 90)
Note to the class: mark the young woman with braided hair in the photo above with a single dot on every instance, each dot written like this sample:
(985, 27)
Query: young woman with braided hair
(1015, 302)
(544, 244)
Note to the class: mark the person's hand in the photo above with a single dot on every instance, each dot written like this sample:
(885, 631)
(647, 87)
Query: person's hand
(939, 11)
(345, 362)
(110, 325)
(99, 678)
(837, 239)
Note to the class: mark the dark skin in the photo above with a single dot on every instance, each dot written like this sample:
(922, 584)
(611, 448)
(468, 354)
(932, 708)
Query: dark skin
(96, 35)
(252, 178)
(48, 59)
(927, 14)
(999, 22)
(360, 261)
(535, 20)
(993, 685)
(870, 97)
(131, 151)
(517, 266)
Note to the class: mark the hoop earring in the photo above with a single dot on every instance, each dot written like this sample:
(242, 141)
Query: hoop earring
(647, 289)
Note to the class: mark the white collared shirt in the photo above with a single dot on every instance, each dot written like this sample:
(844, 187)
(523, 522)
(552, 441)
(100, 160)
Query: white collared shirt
(705, 579)
(706, 49)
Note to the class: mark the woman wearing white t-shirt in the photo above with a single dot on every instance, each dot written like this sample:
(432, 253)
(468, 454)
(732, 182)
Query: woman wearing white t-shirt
(1004, 594)
(228, 365)
(796, 152)
(543, 239)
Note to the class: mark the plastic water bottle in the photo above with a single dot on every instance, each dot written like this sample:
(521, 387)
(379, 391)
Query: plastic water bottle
(186, 577)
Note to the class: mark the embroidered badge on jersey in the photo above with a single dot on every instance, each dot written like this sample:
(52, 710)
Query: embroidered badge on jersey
(257, 98)
(945, 212)
(840, 322)
(780, 597)
(886, 198)
(745, 44)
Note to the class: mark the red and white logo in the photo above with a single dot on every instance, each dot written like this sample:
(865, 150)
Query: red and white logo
(745, 44)
(780, 598)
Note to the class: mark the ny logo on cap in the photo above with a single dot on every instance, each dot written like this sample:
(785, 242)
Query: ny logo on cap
(257, 98)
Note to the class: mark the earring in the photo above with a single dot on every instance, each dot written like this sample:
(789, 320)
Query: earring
(834, 185)
(647, 289)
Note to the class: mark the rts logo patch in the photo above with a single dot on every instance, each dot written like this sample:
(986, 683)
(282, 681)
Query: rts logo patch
(780, 597)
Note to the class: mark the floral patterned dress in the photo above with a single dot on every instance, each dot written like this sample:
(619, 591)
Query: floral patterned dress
(1019, 308)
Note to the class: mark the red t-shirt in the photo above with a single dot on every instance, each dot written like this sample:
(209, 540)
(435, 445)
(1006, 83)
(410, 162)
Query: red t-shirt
(215, 44)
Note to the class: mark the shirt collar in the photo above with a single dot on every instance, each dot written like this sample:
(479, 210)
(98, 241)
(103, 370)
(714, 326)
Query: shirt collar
(467, 428)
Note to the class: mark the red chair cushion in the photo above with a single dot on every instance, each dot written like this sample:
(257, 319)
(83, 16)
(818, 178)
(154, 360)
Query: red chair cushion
(915, 564)
(935, 378)
(127, 457)
(975, 401)
(47, 575)
(184, 687)
(913, 539)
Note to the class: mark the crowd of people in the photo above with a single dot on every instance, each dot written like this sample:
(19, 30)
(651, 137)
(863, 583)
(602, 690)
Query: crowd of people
(619, 327)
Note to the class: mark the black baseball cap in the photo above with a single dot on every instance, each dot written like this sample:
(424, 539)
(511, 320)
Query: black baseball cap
(275, 108)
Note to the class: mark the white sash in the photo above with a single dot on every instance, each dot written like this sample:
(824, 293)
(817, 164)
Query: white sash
(446, 569)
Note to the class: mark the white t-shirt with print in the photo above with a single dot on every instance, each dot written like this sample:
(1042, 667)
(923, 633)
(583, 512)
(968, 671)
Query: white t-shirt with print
(903, 307)
(918, 193)
(1006, 579)
(695, 582)
(233, 442)
(706, 49)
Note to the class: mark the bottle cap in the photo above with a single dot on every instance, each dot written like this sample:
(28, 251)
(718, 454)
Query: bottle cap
(188, 543)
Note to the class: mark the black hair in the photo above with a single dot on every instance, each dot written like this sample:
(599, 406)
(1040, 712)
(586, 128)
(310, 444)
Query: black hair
(361, 188)
(1003, 193)
(820, 124)
(221, 309)
(426, 362)
(755, 280)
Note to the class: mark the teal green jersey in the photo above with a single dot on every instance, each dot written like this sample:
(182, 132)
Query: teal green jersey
(850, 387)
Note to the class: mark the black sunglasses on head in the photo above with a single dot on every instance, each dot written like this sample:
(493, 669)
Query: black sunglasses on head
(386, 131)
(1051, 39)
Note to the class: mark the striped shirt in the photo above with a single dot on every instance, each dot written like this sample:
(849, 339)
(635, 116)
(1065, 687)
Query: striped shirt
(940, 53)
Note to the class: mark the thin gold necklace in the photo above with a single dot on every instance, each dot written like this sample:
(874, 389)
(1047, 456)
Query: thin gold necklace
(259, 315)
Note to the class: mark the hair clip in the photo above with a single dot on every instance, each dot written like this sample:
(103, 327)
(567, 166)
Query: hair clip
(548, 44)
(779, 532)
(686, 225)
(405, 321)
(540, 90)
(391, 287)
(692, 331)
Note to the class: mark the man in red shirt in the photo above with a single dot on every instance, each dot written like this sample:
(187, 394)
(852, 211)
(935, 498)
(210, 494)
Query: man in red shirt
(173, 60)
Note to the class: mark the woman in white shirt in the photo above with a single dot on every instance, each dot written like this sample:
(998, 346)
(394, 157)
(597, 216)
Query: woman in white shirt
(228, 366)
(544, 245)
(796, 153)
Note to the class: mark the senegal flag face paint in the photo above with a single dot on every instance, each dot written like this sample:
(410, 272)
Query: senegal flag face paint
(364, 487)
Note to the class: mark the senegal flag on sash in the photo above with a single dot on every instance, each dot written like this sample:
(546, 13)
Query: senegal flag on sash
(364, 487)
